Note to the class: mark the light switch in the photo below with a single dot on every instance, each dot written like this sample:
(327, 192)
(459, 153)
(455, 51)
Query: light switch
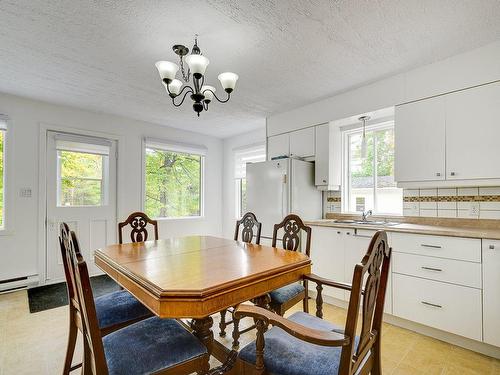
(474, 209)
(25, 192)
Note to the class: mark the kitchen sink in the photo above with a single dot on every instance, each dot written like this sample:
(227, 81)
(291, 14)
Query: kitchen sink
(368, 222)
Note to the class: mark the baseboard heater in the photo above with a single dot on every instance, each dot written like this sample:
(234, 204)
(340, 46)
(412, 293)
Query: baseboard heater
(24, 282)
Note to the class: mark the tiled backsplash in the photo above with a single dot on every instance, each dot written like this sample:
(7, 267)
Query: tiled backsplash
(466, 203)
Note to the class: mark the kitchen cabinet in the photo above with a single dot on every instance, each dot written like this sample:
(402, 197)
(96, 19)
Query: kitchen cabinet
(420, 141)
(473, 133)
(356, 245)
(302, 143)
(327, 255)
(327, 172)
(278, 145)
(449, 138)
(491, 292)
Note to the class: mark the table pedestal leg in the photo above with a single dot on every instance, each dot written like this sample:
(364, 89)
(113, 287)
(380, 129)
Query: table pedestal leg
(202, 328)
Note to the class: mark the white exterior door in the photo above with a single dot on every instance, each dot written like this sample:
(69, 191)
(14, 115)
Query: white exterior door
(81, 191)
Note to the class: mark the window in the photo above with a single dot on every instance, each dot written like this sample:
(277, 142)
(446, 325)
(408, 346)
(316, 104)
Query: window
(82, 171)
(242, 156)
(369, 181)
(3, 131)
(173, 180)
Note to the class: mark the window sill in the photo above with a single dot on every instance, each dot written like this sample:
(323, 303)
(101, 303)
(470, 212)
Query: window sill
(179, 218)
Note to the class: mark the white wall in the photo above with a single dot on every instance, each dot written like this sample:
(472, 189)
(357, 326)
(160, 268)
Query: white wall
(20, 252)
(468, 69)
(228, 191)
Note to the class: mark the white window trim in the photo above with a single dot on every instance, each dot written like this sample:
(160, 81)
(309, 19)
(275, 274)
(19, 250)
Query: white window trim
(345, 188)
(166, 145)
(238, 180)
(6, 228)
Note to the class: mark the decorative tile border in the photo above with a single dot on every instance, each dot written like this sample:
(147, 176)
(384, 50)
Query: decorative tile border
(456, 198)
(333, 199)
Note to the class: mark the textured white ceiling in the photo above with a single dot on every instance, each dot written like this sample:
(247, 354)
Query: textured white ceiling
(100, 55)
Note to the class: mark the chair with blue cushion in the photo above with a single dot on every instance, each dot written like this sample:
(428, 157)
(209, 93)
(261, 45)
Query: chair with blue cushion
(249, 232)
(305, 344)
(114, 310)
(153, 345)
(290, 230)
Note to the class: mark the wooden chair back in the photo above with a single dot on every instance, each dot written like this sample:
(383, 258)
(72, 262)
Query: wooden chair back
(249, 221)
(95, 360)
(139, 222)
(292, 225)
(369, 284)
(64, 244)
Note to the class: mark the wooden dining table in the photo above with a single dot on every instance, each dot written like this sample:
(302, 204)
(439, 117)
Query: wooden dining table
(197, 276)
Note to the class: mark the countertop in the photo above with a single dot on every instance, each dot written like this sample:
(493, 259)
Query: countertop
(457, 229)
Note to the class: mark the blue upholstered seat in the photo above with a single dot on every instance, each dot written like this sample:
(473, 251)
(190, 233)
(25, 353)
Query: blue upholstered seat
(286, 293)
(149, 346)
(118, 307)
(287, 355)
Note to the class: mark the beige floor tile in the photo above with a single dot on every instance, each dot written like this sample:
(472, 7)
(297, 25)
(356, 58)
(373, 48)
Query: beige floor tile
(36, 343)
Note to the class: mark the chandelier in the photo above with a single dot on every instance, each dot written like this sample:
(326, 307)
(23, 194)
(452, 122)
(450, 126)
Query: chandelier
(201, 94)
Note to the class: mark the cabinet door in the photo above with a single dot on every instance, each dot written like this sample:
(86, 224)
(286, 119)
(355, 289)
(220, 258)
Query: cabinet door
(473, 133)
(491, 292)
(278, 145)
(322, 156)
(302, 143)
(356, 245)
(327, 255)
(420, 141)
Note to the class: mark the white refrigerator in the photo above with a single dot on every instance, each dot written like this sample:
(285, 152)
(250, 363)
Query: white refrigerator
(277, 188)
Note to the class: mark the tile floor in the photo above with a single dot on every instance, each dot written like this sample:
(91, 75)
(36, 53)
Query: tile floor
(35, 344)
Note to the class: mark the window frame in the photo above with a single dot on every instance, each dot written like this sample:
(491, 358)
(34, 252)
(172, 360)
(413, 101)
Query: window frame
(4, 228)
(346, 163)
(238, 181)
(168, 146)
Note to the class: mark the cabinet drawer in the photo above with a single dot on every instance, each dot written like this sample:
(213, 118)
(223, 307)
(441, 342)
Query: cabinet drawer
(451, 308)
(448, 270)
(468, 249)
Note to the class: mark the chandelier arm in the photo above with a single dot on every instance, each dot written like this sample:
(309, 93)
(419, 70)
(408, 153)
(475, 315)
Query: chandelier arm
(180, 93)
(189, 90)
(219, 100)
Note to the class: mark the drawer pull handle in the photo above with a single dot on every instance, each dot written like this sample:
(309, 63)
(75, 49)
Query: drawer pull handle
(492, 247)
(431, 246)
(431, 269)
(432, 304)
(362, 236)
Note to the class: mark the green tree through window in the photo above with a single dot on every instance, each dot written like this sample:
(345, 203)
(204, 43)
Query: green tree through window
(173, 183)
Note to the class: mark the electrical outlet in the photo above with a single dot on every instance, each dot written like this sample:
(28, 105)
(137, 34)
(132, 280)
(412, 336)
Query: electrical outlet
(474, 209)
(25, 192)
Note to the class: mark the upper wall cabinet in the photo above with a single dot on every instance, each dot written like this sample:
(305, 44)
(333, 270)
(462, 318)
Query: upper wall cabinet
(278, 145)
(420, 141)
(302, 143)
(450, 139)
(473, 133)
(327, 170)
(299, 144)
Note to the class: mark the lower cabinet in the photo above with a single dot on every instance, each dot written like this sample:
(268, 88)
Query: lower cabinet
(327, 255)
(491, 291)
(452, 308)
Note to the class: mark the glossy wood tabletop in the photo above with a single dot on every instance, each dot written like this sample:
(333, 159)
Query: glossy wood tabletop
(197, 276)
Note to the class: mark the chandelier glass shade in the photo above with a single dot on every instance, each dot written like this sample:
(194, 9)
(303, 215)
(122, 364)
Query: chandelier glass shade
(200, 94)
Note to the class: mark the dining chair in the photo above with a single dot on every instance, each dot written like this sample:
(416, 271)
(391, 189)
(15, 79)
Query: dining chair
(308, 345)
(250, 231)
(284, 298)
(152, 345)
(114, 310)
(139, 222)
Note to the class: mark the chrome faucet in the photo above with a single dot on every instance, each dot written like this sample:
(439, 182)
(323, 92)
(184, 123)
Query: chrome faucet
(366, 214)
